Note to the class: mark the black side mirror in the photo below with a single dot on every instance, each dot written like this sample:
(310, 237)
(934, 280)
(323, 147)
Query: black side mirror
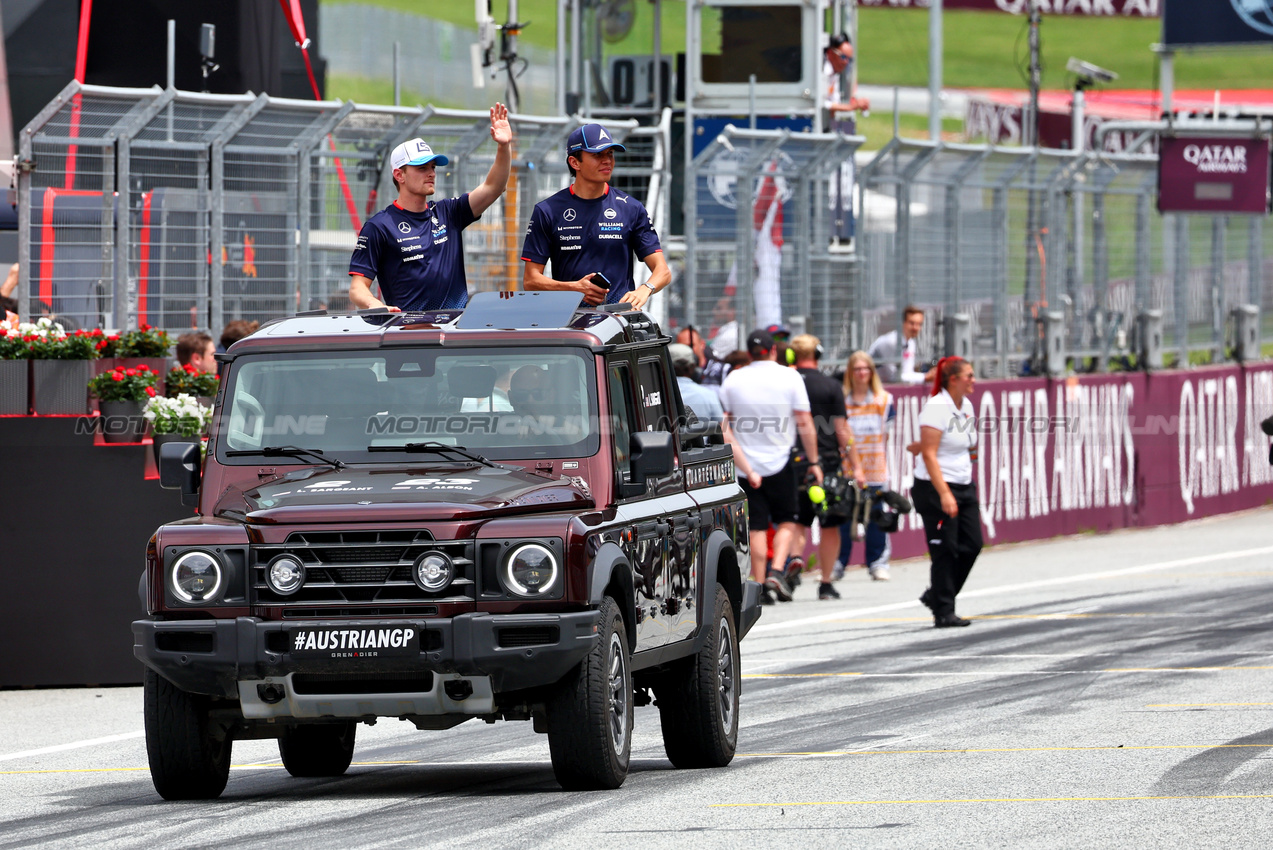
(652, 455)
(180, 468)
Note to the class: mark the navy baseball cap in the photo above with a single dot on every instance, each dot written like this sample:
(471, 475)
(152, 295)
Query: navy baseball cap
(760, 340)
(592, 138)
(777, 331)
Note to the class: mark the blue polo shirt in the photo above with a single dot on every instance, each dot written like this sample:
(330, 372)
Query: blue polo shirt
(581, 236)
(418, 258)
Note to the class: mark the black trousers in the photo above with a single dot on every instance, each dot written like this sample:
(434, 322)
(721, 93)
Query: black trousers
(953, 542)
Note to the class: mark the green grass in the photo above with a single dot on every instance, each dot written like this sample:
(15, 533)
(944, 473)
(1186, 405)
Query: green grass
(982, 49)
(366, 90)
(988, 49)
(878, 126)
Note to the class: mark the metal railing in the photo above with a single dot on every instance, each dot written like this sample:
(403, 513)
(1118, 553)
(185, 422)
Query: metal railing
(758, 238)
(185, 210)
(1001, 236)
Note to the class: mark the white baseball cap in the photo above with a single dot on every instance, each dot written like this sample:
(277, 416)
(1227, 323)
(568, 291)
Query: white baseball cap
(415, 152)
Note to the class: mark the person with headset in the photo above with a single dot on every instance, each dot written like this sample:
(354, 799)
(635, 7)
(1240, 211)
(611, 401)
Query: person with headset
(836, 453)
(766, 409)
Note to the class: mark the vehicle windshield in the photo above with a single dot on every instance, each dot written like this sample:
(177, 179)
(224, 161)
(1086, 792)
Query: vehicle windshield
(502, 403)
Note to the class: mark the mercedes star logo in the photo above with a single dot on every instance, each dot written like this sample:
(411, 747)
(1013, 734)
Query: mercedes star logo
(404, 227)
(569, 215)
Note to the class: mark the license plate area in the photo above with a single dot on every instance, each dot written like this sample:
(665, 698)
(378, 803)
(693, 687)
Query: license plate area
(354, 643)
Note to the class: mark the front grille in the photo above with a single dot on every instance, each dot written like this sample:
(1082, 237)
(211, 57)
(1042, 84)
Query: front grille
(364, 568)
(527, 636)
(355, 683)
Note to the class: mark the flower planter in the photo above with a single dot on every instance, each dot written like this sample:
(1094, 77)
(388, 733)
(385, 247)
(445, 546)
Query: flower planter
(122, 422)
(161, 440)
(15, 396)
(158, 365)
(60, 386)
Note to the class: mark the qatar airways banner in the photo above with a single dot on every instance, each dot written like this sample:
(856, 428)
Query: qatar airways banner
(1099, 453)
(1107, 8)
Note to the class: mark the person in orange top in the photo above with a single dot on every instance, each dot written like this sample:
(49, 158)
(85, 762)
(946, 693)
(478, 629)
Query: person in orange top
(870, 412)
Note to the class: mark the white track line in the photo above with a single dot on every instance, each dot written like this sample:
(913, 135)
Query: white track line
(1015, 588)
(74, 745)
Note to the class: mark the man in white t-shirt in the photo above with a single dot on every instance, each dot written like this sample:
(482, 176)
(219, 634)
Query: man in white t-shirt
(766, 406)
(886, 351)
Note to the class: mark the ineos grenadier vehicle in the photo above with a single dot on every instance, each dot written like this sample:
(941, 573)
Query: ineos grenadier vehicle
(498, 513)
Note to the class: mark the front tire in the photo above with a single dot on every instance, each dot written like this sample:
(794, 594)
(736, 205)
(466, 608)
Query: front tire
(590, 716)
(317, 749)
(189, 754)
(698, 699)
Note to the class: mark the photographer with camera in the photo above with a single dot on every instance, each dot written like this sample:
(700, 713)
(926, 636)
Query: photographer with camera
(590, 230)
(837, 457)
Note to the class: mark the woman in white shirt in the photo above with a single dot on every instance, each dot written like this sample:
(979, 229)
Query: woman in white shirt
(944, 492)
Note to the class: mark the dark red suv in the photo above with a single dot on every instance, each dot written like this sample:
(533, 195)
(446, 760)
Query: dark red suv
(497, 513)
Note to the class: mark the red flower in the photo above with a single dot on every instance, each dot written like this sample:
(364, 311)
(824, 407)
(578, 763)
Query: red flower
(145, 327)
(4, 332)
(190, 370)
(113, 337)
(101, 345)
(143, 368)
(116, 376)
(150, 391)
(132, 373)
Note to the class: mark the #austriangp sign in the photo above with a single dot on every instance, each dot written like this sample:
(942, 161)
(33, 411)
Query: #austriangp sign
(1213, 174)
(1190, 22)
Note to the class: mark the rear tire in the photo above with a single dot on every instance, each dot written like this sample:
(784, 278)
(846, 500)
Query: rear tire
(698, 698)
(317, 749)
(189, 755)
(590, 715)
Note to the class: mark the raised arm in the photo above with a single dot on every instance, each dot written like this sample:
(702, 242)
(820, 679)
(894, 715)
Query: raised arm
(496, 181)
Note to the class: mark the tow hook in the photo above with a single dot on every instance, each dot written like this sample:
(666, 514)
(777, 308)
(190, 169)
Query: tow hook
(458, 689)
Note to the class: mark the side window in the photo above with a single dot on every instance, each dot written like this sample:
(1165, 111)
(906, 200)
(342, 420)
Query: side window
(623, 417)
(654, 400)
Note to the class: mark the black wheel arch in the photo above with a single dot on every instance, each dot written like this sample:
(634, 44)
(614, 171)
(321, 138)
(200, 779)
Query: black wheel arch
(610, 574)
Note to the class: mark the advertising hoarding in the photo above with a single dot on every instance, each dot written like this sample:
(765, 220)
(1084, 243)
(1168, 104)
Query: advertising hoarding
(1213, 174)
(1190, 22)
(1106, 8)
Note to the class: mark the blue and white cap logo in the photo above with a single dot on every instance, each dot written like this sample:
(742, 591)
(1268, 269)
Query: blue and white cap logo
(416, 152)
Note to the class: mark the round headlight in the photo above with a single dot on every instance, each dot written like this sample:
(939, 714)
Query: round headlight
(531, 570)
(433, 571)
(285, 575)
(196, 577)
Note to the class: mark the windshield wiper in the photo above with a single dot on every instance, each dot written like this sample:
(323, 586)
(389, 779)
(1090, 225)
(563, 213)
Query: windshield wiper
(289, 451)
(437, 448)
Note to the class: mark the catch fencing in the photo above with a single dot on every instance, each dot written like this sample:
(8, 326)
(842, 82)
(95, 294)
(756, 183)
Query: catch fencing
(185, 210)
(1002, 236)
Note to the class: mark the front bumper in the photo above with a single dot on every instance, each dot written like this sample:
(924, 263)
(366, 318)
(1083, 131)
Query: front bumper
(229, 658)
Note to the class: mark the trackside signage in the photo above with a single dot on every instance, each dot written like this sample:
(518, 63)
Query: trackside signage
(1105, 8)
(1217, 174)
(1099, 453)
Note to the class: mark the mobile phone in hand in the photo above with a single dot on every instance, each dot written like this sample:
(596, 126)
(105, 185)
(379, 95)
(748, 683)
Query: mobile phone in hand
(599, 279)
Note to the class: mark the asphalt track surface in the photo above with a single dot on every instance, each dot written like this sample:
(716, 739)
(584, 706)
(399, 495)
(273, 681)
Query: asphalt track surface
(1113, 691)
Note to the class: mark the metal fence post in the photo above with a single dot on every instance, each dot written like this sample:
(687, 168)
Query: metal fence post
(216, 312)
(1181, 295)
(1218, 299)
(306, 150)
(1255, 262)
(138, 118)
